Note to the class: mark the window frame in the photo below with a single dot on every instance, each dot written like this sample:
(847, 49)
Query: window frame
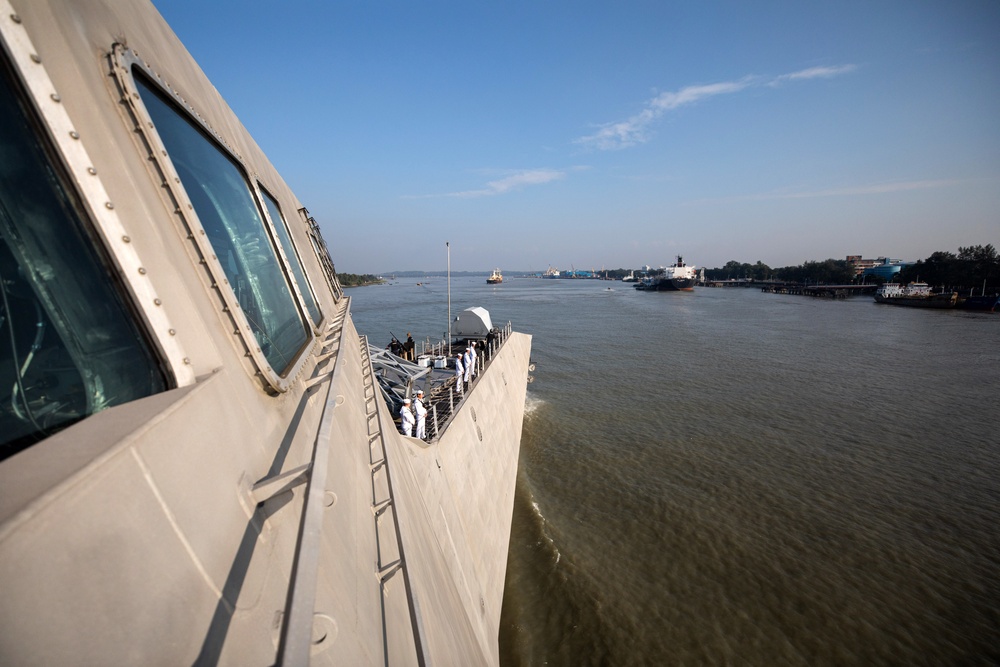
(124, 62)
(97, 210)
(263, 194)
(322, 254)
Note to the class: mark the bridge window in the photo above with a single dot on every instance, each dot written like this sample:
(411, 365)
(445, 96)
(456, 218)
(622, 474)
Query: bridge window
(229, 214)
(285, 239)
(70, 345)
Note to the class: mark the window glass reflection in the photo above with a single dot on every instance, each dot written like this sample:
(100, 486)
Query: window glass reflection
(224, 202)
(284, 238)
(69, 344)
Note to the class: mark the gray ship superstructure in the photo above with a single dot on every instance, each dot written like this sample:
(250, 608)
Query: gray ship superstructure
(198, 466)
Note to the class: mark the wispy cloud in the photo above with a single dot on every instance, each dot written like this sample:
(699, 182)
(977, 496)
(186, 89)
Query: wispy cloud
(513, 181)
(812, 73)
(636, 129)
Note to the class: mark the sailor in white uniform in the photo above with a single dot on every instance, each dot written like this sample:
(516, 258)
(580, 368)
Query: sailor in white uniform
(418, 406)
(467, 362)
(406, 417)
(459, 374)
(474, 355)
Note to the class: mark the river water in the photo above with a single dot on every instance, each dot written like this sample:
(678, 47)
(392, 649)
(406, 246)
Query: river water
(732, 477)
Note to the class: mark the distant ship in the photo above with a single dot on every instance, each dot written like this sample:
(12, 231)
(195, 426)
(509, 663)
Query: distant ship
(676, 278)
(551, 273)
(495, 277)
(916, 295)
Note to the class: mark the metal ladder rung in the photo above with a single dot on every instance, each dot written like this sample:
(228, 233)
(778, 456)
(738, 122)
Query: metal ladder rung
(269, 487)
(386, 572)
(312, 382)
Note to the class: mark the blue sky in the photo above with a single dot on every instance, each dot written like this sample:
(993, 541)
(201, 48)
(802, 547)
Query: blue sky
(616, 134)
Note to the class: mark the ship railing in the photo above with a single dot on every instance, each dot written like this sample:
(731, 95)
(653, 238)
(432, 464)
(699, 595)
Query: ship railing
(399, 379)
(296, 634)
(438, 349)
(445, 399)
(322, 253)
(296, 639)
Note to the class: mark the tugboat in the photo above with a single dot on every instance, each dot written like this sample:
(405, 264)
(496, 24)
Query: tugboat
(494, 278)
(676, 278)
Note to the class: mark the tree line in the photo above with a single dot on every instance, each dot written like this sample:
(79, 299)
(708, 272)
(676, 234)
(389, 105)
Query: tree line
(829, 271)
(358, 279)
(970, 268)
(973, 268)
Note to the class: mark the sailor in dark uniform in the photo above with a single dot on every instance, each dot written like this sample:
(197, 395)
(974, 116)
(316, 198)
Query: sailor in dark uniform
(408, 347)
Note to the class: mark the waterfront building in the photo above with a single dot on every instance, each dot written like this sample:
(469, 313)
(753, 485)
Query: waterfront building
(883, 267)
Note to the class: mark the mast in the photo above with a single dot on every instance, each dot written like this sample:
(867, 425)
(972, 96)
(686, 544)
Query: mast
(447, 244)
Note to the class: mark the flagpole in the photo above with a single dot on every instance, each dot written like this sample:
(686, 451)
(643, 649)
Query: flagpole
(448, 245)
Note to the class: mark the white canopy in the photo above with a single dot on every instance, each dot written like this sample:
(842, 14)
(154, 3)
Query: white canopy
(472, 322)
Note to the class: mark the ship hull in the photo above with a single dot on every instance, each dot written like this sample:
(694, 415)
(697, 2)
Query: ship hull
(933, 301)
(672, 285)
(987, 303)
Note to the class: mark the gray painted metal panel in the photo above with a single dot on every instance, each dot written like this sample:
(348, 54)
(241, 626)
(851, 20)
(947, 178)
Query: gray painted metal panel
(165, 530)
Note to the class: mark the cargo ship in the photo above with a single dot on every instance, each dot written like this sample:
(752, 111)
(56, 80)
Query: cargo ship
(679, 277)
(914, 295)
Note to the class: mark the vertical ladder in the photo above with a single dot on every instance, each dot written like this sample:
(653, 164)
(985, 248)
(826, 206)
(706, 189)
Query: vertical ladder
(398, 607)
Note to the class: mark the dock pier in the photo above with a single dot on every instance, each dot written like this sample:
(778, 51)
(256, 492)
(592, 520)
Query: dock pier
(823, 291)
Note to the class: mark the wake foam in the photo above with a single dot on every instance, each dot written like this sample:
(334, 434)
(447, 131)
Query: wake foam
(548, 540)
(531, 404)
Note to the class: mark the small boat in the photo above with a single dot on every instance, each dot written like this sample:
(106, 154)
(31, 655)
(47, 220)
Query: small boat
(495, 277)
